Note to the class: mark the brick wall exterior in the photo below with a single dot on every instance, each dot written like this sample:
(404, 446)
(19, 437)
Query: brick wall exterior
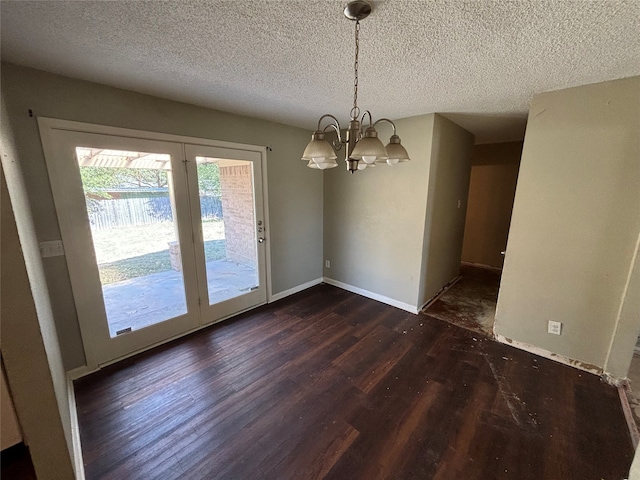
(238, 214)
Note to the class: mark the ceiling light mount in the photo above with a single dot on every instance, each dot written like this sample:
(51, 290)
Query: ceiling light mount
(357, 10)
(363, 148)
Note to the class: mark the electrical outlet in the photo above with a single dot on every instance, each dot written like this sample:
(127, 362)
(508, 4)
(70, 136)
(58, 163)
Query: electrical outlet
(554, 327)
(327, 263)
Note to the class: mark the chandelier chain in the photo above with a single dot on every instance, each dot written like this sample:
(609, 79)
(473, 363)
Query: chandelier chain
(355, 111)
(363, 148)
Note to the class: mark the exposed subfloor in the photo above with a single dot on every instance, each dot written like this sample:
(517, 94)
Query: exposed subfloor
(470, 302)
(329, 384)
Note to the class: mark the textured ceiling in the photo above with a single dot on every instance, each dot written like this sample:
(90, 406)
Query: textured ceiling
(290, 61)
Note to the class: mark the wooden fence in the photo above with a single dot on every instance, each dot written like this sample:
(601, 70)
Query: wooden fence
(131, 212)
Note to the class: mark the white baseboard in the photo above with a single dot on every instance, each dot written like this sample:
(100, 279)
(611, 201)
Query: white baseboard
(554, 356)
(375, 296)
(80, 372)
(78, 462)
(296, 289)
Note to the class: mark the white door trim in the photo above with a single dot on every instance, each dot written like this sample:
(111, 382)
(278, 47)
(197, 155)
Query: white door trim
(48, 125)
(58, 124)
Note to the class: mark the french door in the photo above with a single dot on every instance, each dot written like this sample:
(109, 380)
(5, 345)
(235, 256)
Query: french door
(160, 236)
(230, 284)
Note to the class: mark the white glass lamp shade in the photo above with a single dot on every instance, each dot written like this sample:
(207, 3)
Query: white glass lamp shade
(323, 165)
(364, 166)
(369, 148)
(396, 152)
(319, 149)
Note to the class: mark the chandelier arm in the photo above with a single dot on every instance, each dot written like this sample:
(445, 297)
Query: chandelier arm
(336, 126)
(388, 121)
(331, 125)
(371, 124)
(339, 143)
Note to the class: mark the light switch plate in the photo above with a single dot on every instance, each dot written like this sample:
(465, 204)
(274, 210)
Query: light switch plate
(52, 248)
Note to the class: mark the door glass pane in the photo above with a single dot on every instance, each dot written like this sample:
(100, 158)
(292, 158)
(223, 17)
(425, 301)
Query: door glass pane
(228, 226)
(131, 207)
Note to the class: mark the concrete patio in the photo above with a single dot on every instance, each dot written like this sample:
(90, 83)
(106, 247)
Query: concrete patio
(144, 301)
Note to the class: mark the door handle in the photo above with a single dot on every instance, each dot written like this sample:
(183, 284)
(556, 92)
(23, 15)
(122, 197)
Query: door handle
(261, 240)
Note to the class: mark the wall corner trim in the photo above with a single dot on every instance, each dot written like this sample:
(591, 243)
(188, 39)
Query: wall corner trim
(551, 356)
(78, 462)
(374, 296)
(296, 289)
(619, 314)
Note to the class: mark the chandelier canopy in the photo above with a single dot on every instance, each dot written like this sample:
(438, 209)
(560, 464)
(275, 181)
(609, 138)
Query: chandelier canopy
(363, 148)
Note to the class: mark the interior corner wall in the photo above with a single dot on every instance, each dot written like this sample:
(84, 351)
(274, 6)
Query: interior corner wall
(295, 192)
(575, 220)
(450, 168)
(494, 174)
(628, 325)
(30, 348)
(374, 219)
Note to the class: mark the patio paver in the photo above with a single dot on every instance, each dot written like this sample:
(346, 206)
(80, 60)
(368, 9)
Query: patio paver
(144, 301)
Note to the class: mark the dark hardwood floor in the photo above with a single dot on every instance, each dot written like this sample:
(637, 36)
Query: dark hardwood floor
(15, 463)
(328, 384)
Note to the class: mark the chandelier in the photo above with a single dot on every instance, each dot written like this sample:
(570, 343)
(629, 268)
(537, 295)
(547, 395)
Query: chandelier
(363, 149)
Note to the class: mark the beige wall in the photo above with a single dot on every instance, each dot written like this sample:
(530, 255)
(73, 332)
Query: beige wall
(10, 433)
(494, 173)
(575, 220)
(295, 192)
(374, 221)
(30, 350)
(449, 172)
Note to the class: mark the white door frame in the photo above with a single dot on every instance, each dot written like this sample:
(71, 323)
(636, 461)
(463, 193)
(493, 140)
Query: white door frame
(216, 312)
(48, 125)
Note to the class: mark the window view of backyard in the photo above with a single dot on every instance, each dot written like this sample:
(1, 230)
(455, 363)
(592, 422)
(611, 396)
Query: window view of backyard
(130, 204)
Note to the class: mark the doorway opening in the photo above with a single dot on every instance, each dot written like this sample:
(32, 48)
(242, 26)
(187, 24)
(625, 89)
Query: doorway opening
(471, 301)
